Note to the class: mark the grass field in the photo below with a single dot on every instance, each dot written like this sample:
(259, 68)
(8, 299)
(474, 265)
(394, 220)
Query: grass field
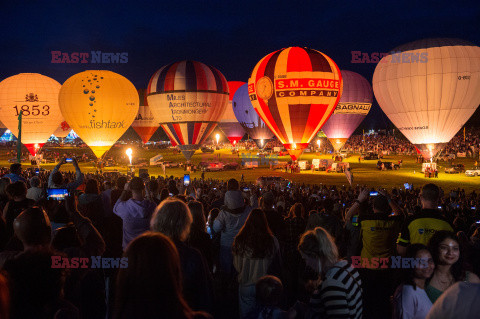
(364, 172)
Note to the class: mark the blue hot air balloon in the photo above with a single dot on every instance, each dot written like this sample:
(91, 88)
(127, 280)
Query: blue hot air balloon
(248, 117)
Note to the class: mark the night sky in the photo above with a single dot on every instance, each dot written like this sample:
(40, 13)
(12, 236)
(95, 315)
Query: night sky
(230, 35)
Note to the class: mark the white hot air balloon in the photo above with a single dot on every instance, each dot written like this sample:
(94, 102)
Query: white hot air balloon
(429, 89)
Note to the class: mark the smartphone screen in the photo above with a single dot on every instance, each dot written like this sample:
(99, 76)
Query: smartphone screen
(69, 160)
(57, 193)
(373, 193)
(186, 179)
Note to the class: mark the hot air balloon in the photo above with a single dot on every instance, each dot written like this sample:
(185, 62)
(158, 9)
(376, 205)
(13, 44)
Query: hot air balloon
(354, 105)
(429, 89)
(36, 97)
(295, 90)
(63, 130)
(249, 118)
(187, 98)
(228, 122)
(3, 129)
(145, 124)
(99, 106)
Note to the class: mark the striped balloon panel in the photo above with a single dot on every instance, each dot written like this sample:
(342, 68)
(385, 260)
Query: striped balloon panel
(295, 90)
(188, 133)
(189, 76)
(187, 91)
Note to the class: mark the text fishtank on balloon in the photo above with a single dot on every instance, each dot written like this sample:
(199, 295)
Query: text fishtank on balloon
(295, 90)
(430, 101)
(99, 106)
(35, 96)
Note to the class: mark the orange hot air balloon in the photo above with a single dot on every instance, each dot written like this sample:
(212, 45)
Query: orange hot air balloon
(295, 90)
(36, 96)
(99, 106)
(145, 124)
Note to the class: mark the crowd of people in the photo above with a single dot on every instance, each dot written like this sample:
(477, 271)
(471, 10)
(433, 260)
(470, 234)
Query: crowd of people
(154, 248)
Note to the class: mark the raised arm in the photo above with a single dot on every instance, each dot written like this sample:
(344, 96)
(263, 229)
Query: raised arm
(355, 208)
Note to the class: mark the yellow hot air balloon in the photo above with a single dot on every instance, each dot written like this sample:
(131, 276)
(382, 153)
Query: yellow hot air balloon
(36, 96)
(99, 106)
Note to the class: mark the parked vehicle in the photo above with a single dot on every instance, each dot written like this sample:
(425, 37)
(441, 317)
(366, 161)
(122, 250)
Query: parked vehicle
(387, 165)
(170, 164)
(338, 167)
(231, 166)
(207, 150)
(455, 169)
(214, 167)
(473, 172)
(371, 156)
(156, 160)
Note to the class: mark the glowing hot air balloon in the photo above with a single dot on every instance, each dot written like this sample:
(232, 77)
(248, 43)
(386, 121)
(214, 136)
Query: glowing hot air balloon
(249, 118)
(63, 130)
(3, 129)
(187, 98)
(354, 105)
(99, 106)
(145, 124)
(294, 91)
(36, 97)
(228, 122)
(429, 89)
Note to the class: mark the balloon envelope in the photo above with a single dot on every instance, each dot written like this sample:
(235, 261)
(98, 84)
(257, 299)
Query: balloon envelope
(228, 122)
(99, 106)
(249, 118)
(429, 89)
(187, 98)
(145, 124)
(295, 90)
(353, 107)
(63, 130)
(36, 97)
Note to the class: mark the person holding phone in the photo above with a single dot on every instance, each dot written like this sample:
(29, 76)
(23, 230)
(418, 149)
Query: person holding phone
(56, 180)
(135, 210)
(378, 229)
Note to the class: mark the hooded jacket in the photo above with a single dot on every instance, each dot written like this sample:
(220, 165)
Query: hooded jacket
(231, 218)
(136, 217)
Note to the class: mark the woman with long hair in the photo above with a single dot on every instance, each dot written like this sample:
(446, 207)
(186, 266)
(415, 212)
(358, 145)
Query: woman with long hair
(410, 300)
(174, 219)
(198, 237)
(449, 266)
(254, 250)
(151, 284)
(337, 290)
